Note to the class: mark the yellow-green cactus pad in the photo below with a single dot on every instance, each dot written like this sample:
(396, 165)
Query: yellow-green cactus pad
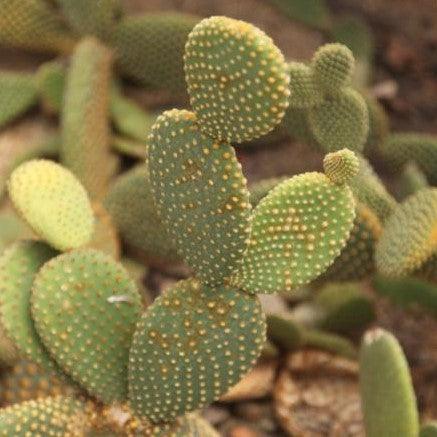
(150, 48)
(409, 238)
(304, 92)
(341, 121)
(50, 79)
(333, 65)
(298, 230)
(26, 381)
(91, 17)
(58, 416)
(387, 393)
(33, 25)
(85, 308)
(17, 95)
(356, 261)
(130, 203)
(242, 91)
(200, 194)
(190, 347)
(86, 147)
(400, 148)
(53, 203)
(341, 167)
(18, 267)
(369, 189)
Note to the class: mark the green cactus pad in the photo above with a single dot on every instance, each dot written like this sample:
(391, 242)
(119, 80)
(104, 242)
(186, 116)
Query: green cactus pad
(126, 146)
(379, 125)
(411, 180)
(190, 347)
(304, 92)
(8, 352)
(91, 17)
(409, 238)
(132, 208)
(428, 430)
(341, 121)
(200, 194)
(18, 267)
(53, 203)
(85, 308)
(341, 167)
(50, 79)
(150, 48)
(333, 65)
(388, 400)
(11, 229)
(242, 92)
(32, 25)
(85, 118)
(356, 260)
(26, 381)
(17, 95)
(55, 416)
(369, 190)
(298, 230)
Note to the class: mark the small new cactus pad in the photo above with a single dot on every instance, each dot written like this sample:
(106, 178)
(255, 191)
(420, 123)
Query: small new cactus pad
(129, 118)
(58, 416)
(356, 260)
(32, 24)
(369, 190)
(399, 148)
(17, 95)
(26, 381)
(85, 118)
(298, 230)
(190, 347)
(389, 403)
(18, 267)
(85, 308)
(200, 194)
(91, 17)
(150, 48)
(241, 92)
(53, 203)
(304, 92)
(409, 238)
(50, 79)
(333, 65)
(340, 121)
(132, 208)
(341, 167)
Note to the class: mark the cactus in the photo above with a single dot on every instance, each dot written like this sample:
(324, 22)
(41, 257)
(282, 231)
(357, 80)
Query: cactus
(411, 180)
(11, 229)
(179, 340)
(85, 118)
(428, 430)
(220, 100)
(149, 48)
(53, 203)
(389, 403)
(50, 79)
(409, 238)
(33, 25)
(304, 90)
(100, 307)
(17, 95)
(260, 189)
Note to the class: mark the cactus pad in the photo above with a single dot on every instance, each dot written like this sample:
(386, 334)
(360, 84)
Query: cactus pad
(50, 79)
(53, 202)
(17, 95)
(333, 65)
(85, 308)
(341, 121)
(55, 416)
(201, 195)
(409, 238)
(190, 347)
(18, 267)
(132, 208)
(298, 230)
(304, 92)
(241, 92)
(341, 167)
(150, 48)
